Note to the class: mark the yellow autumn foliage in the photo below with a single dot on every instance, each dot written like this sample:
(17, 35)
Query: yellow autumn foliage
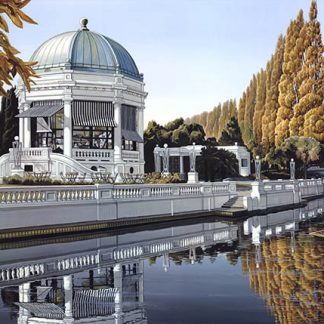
(10, 63)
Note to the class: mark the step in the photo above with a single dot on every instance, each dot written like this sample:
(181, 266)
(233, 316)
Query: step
(235, 202)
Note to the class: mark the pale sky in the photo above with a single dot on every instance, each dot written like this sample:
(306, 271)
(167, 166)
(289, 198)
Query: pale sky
(193, 53)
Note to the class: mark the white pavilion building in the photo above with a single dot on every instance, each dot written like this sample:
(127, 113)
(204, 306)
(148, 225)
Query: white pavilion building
(85, 112)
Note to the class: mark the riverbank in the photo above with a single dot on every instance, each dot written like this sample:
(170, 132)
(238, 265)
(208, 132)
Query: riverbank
(52, 210)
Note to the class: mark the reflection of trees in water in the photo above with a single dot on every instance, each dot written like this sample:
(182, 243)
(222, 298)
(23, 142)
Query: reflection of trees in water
(9, 296)
(209, 251)
(291, 281)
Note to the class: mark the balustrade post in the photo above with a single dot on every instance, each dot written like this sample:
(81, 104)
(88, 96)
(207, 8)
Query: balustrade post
(141, 281)
(258, 194)
(67, 146)
(68, 298)
(118, 283)
(24, 297)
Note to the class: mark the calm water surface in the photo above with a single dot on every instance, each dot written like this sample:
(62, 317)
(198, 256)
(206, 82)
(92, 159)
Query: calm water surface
(267, 269)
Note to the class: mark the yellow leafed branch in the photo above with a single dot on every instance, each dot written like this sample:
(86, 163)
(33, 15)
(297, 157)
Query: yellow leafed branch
(10, 64)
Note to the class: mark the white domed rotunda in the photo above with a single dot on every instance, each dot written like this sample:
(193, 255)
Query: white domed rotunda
(85, 112)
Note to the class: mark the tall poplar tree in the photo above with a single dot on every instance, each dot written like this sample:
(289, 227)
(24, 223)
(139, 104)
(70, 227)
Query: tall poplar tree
(217, 117)
(312, 87)
(241, 111)
(249, 112)
(271, 106)
(259, 105)
(308, 112)
(289, 83)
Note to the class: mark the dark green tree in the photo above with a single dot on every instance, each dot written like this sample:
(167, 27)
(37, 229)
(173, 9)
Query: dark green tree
(175, 133)
(303, 149)
(175, 124)
(215, 164)
(180, 136)
(231, 134)
(9, 123)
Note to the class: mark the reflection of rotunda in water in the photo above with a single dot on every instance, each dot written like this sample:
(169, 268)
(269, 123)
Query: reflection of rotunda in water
(110, 294)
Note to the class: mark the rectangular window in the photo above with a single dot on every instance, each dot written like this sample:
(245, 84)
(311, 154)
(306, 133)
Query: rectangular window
(53, 139)
(244, 163)
(92, 137)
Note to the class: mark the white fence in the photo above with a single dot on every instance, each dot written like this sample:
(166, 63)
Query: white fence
(266, 194)
(40, 195)
(90, 155)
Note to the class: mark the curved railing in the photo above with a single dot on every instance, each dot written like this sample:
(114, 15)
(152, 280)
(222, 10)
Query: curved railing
(4, 165)
(63, 164)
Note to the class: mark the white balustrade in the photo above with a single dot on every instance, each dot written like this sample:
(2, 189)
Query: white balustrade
(77, 262)
(160, 247)
(220, 187)
(126, 253)
(38, 195)
(190, 190)
(160, 191)
(220, 236)
(130, 155)
(32, 153)
(14, 273)
(196, 240)
(90, 155)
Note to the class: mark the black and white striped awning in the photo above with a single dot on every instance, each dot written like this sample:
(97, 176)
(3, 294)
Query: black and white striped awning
(131, 135)
(41, 111)
(93, 113)
(90, 303)
(43, 310)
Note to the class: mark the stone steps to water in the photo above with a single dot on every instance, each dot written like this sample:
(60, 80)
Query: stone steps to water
(235, 202)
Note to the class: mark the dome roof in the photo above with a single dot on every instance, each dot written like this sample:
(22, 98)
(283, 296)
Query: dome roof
(87, 51)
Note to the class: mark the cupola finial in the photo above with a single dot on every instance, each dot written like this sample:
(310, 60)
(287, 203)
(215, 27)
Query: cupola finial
(83, 23)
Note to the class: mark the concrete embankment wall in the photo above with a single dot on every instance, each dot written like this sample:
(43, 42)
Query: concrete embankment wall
(43, 206)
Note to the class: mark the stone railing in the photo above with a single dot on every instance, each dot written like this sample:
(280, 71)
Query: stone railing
(102, 193)
(266, 194)
(32, 153)
(311, 187)
(4, 165)
(47, 194)
(90, 155)
(130, 155)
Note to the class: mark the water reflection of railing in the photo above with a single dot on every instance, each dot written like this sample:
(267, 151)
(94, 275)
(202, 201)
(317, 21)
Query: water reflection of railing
(77, 262)
(22, 272)
(121, 254)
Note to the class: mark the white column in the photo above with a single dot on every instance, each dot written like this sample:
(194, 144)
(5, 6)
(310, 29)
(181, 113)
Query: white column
(68, 298)
(141, 282)
(118, 283)
(67, 128)
(140, 130)
(24, 297)
(181, 165)
(117, 133)
(27, 131)
(21, 126)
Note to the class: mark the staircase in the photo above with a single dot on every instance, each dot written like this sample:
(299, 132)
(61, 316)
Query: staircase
(235, 202)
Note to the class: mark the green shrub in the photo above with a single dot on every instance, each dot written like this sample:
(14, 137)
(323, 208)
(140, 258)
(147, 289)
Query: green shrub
(16, 179)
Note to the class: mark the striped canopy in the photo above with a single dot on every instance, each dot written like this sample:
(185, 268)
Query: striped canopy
(93, 113)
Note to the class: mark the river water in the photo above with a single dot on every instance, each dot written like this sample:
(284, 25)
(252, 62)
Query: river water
(266, 269)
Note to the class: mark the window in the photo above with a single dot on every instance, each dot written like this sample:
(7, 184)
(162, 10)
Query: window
(52, 139)
(92, 137)
(129, 145)
(244, 163)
